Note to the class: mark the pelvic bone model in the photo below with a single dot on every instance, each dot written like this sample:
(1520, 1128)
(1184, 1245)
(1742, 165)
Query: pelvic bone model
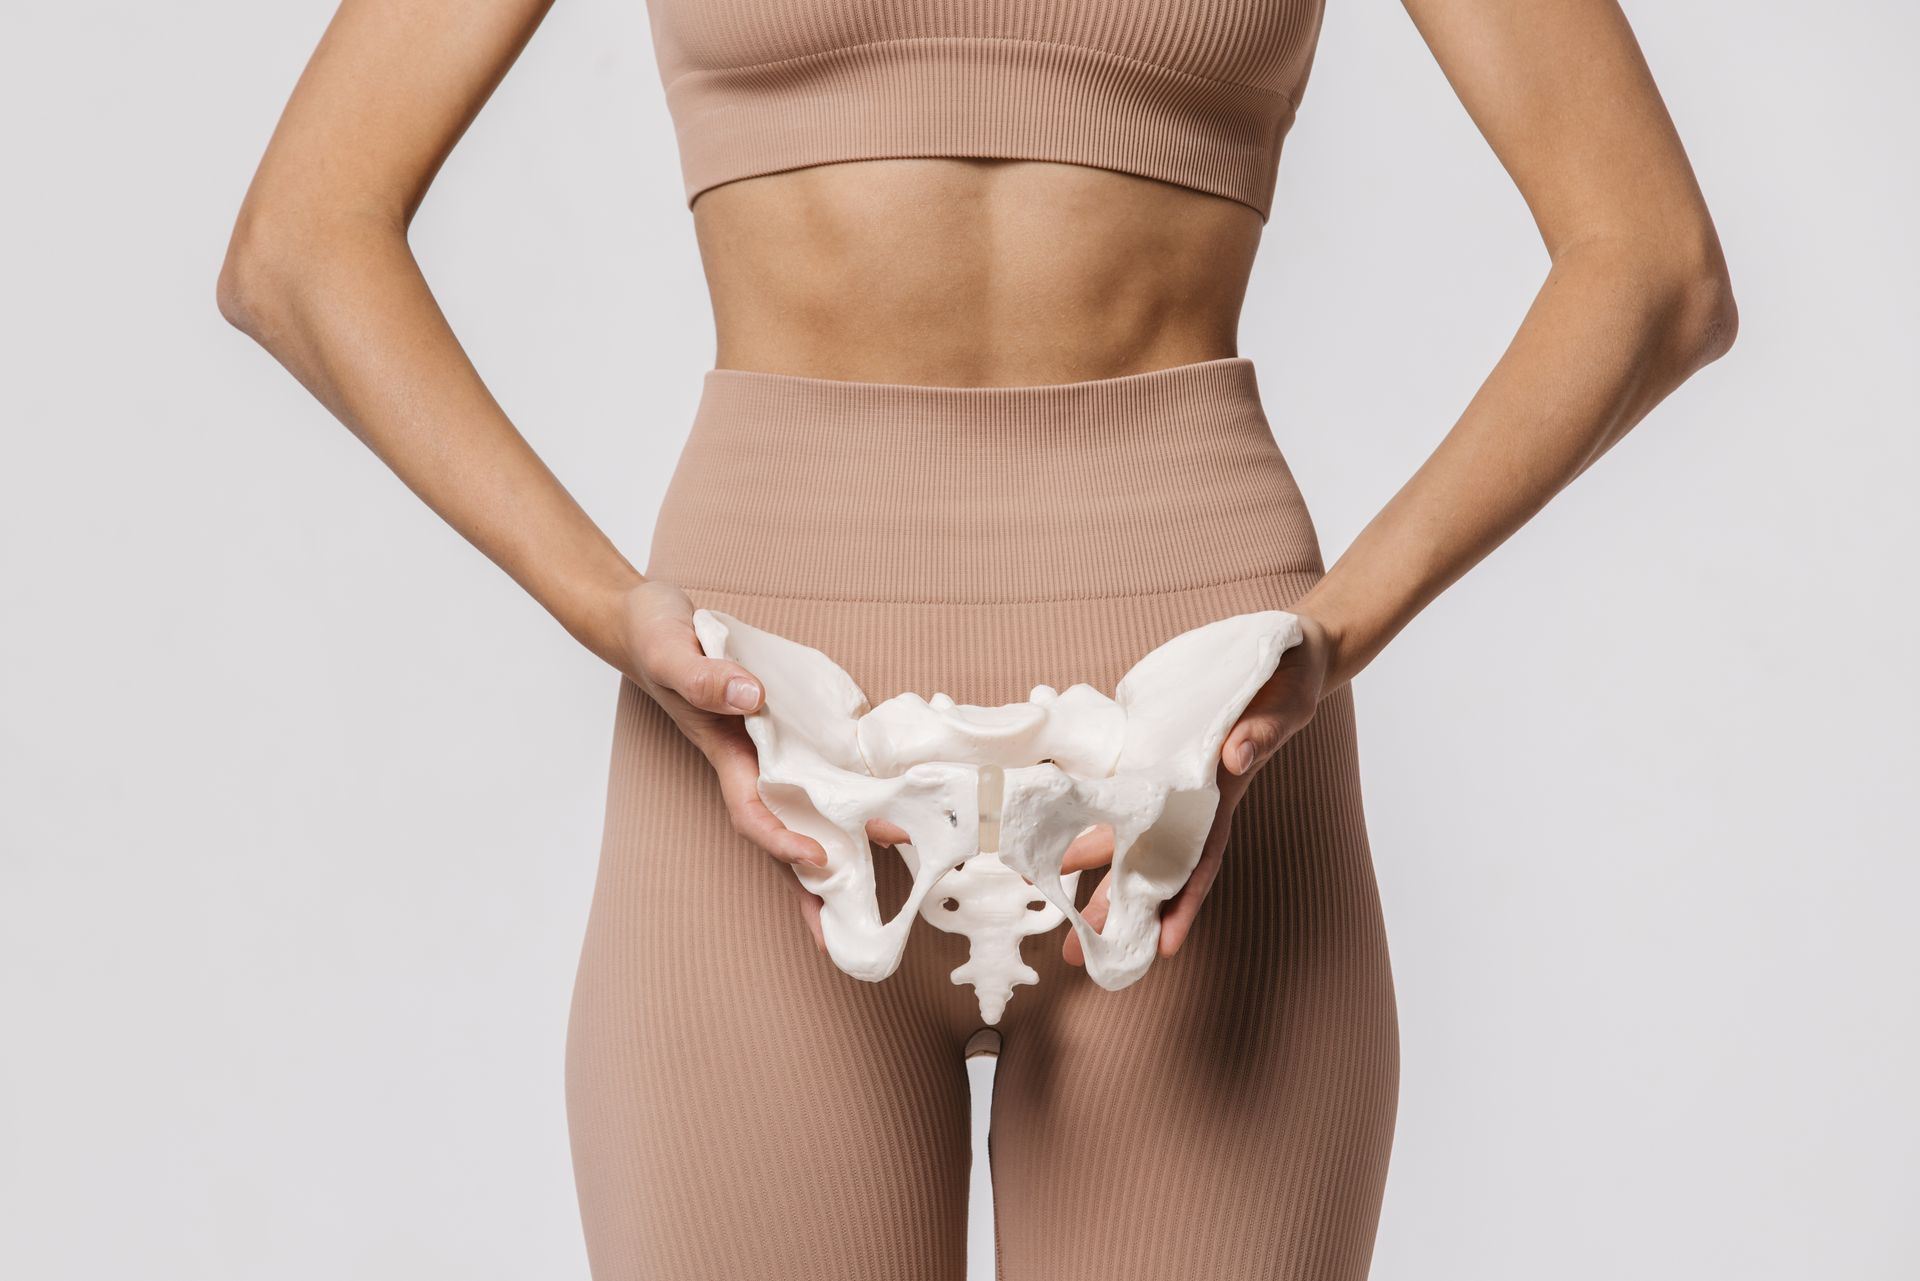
(991, 797)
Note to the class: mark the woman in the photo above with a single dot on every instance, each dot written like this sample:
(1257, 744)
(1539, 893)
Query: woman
(977, 422)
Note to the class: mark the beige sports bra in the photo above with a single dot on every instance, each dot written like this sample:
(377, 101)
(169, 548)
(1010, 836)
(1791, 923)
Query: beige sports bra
(1199, 93)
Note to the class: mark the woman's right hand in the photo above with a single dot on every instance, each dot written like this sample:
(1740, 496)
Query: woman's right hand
(707, 697)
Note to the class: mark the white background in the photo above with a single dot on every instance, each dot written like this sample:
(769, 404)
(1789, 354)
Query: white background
(299, 800)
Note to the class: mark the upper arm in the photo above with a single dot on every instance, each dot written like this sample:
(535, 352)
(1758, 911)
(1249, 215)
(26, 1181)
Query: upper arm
(386, 95)
(1562, 94)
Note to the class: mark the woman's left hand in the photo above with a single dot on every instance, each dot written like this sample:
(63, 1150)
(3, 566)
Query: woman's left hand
(1282, 707)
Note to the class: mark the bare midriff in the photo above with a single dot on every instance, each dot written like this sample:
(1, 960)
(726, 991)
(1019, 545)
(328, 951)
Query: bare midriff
(971, 272)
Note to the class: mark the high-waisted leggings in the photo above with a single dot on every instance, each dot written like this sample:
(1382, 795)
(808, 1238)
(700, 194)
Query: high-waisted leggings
(741, 1110)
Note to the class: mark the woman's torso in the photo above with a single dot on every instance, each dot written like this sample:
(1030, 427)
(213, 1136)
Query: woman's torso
(980, 192)
(964, 273)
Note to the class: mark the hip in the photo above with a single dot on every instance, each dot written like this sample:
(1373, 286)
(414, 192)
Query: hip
(984, 540)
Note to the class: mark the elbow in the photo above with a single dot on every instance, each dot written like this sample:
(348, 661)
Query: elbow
(1705, 318)
(1693, 295)
(253, 286)
(281, 259)
(1676, 286)
(236, 294)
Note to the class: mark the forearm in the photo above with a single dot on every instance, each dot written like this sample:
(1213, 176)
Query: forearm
(1613, 330)
(345, 308)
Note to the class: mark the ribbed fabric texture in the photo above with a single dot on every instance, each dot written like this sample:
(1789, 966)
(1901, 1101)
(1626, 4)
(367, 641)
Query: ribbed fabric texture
(740, 1109)
(1195, 92)
(1003, 481)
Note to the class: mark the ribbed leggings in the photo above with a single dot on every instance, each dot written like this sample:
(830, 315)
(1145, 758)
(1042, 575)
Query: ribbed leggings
(743, 1111)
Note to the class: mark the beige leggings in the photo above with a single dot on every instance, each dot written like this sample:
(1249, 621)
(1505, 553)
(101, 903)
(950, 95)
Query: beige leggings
(741, 1109)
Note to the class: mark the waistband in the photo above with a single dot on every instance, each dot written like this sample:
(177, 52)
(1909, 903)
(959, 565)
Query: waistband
(807, 487)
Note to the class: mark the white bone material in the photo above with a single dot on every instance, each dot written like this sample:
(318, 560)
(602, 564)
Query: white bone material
(991, 797)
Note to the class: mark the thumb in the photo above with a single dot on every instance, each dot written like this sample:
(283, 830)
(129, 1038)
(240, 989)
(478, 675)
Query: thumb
(1257, 736)
(716, 685)
(1282, 706)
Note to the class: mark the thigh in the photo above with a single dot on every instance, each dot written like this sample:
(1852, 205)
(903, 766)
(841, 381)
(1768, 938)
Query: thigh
(738, 1107)
(1230, 1115)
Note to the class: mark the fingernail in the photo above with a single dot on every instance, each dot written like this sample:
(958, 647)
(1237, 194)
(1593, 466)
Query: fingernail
(742, 694)
(1245, 757)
